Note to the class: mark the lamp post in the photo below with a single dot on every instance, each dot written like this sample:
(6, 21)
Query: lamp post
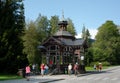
(82, 64)
(82, 57)
(82, 60)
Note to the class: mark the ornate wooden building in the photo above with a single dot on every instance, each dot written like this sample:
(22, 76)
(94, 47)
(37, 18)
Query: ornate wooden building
(63, 48)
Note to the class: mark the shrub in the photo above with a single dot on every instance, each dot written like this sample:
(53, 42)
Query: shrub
(105, 63)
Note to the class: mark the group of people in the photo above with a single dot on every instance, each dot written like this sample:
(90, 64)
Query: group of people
(98, 67)
(75, 68)
(71, 68)
(43, 67)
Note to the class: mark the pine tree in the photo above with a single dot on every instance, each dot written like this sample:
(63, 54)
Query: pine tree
(11, 30)
(84, 32)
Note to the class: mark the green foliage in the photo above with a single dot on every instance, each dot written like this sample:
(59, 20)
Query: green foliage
(107, 43)
(11, 30)
(85, 34)
(36, 32)
(42, 27)
(105, 63)
(88, 51)
(31, 41)
(70, 27)
(88, 56)
(53, 24)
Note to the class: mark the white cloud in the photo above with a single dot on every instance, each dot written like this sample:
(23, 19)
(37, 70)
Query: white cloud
(78, 35)
(93, 33)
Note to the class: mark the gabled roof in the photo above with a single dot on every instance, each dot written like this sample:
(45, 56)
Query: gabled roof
(66, 41)
(57, 40)
(73, 42)
(79, 42)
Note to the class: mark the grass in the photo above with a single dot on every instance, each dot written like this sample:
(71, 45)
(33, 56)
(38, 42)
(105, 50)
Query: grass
(9, 77)
(91, 68)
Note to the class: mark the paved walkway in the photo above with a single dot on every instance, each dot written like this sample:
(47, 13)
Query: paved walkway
(39, 79)
(48, 78)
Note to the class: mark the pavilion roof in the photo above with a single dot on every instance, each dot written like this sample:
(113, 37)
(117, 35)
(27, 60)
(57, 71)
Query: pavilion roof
(62, 33)
(73, 42)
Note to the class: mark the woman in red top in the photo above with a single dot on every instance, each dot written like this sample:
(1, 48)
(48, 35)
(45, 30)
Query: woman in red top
(27, 72)
(42, 67)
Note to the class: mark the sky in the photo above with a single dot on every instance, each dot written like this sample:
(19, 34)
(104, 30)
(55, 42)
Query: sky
(89, 13)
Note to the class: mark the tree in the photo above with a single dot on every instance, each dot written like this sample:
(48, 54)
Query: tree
(84, 32)
(88, 56)
(31, 41)
(53, 24)
(42, 24)
(42, 27)
(88, 34)
(106, 44)
(88, 40)
(36, 32)
(70, 27)
(11, 30)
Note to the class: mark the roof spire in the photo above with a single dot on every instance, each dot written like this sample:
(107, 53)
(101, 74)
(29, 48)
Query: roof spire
(63, 16)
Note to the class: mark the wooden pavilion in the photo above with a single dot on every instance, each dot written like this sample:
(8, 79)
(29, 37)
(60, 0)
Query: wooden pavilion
(63, 48)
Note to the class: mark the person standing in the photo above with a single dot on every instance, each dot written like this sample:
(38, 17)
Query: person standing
(42, 67)
(69, 69)
(33, 69)
(95, 67)
(100, 67)
(51, 65)
(46, 69)
(76, 68)
(27, 72)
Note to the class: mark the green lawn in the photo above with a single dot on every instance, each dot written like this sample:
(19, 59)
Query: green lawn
(9, 77)
(91, 68)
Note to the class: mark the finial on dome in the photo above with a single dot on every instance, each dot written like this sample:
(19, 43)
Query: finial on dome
(63, 15)
(63, 19)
